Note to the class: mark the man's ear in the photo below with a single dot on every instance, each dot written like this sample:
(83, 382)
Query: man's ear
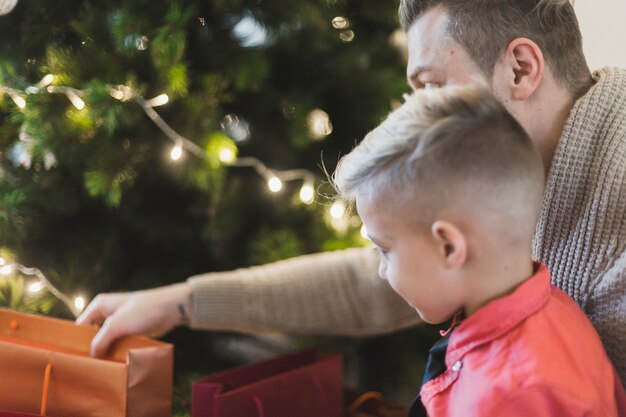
(520, 69)
(451, 243)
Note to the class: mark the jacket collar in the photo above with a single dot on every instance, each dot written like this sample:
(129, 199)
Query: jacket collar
(500, 316)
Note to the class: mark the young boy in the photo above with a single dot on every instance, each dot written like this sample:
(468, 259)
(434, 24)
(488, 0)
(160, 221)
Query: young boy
(449, 188)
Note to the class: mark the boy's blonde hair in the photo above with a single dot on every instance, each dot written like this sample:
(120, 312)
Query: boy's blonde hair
(442, 148)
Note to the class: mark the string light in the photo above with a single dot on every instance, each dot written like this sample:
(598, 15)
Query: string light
(319, 124)
(227, 156)
(117, 94)
(234, 126)
(346, 36)
(71, 93)
(6, 270)
(340, 22)
(364, 233)
(76, 101)
(338, 209)
(177, 152)
(79, 303)
(160, 100)
(307, 193)
(121, 92)
(45, 81)
(76, 306)
(275, 184)
(35, 287)
(19, 101)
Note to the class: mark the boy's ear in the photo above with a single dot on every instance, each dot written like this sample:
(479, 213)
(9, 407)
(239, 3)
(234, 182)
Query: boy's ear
(451, 243)
(521, 69)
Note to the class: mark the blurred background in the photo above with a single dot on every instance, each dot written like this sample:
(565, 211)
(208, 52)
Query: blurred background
(143, 142)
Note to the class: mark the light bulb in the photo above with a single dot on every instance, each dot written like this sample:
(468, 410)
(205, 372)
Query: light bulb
(275, 184)
(319, 124)
(346, 36)
(46, 81)
(307, 193)
(340, 22)
(121, 93)
(337, 210)
(19, 101)
(117, 94)
(2, 261)
(176, 153)
(79, 303)
(364, 233)
(227, 156)
(76, 101)
(159, 100)
(6, 270)
(35, 287)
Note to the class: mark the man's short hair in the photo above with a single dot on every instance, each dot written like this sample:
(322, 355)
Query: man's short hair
(441, 148)
(486, 27)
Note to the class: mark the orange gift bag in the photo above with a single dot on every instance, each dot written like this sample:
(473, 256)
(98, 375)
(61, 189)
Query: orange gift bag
(45, 369)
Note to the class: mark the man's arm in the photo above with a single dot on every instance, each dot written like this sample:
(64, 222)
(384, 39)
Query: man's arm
(327, 293)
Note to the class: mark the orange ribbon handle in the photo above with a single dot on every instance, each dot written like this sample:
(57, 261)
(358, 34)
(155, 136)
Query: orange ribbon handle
(363, 398)
(46, 385)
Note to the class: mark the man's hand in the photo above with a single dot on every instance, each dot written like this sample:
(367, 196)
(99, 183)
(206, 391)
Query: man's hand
(151, 312)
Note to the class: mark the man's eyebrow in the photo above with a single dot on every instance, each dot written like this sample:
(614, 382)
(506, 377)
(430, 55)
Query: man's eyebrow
(416, 71)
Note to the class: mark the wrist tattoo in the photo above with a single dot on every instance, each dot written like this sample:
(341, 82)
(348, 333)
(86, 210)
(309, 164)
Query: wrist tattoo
(184, 317)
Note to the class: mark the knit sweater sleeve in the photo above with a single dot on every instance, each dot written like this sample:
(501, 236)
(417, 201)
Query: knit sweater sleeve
(607, 311)
(332, 293)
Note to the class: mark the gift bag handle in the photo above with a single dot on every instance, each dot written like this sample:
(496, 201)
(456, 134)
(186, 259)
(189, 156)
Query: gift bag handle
(44, 391)
(320, 392)
(14, 325)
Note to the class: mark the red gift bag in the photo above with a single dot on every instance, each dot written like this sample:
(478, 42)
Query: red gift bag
(14, 414)
(303, 384)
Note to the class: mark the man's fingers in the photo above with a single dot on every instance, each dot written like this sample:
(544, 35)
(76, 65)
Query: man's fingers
(106, 336)
(99, 309)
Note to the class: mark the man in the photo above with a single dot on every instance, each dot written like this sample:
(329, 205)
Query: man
(529, 53)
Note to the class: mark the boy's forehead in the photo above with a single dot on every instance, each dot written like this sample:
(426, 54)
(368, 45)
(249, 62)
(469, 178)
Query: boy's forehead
(375, 220)
(380, 211)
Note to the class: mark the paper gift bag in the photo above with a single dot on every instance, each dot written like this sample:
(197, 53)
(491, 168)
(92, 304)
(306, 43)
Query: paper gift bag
(12, 414)
(45, 369)
(303, 384)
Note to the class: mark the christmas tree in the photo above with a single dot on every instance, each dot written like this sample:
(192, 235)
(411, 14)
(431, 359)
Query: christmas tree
(143, 142)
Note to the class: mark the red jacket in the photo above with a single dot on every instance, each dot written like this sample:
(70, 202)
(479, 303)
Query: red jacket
(532, 353)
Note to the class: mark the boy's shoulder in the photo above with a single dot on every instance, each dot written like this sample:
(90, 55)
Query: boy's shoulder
(554, 353)
(557, 342)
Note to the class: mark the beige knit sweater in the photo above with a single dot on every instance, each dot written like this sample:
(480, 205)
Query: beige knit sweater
(581, 236)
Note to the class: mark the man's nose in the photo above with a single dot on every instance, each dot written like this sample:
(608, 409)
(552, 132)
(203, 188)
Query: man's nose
(382, 271)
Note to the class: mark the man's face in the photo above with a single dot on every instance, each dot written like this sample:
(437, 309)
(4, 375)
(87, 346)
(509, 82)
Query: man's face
(435, 59)
(409, 261)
